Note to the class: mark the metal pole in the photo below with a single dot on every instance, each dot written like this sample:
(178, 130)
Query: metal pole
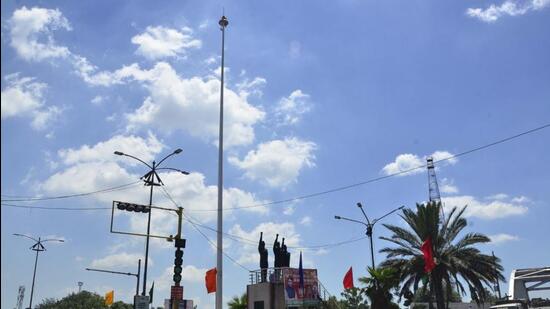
(34, 274)
(138, 274)
(219, 265)
(148, 229)
(369, 233)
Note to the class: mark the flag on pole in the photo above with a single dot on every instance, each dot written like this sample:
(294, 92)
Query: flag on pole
(109, 298)
(210, 280)
(348, 279)
(151, 293)
(301, 272)
(427, 251)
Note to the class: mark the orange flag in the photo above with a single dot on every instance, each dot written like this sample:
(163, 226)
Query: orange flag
(210, 280)
(109, 298)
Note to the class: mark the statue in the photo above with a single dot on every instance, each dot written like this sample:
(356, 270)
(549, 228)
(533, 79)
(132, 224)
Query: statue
(277, 252)
(264, 264)
(285, 255)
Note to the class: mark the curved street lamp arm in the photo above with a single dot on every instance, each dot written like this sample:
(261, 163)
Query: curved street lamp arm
(352, 220)
(173, 169)
(364, 214)
(136, 158)
(26, 236)
(52, 239)
(389, 213)
(168, 156)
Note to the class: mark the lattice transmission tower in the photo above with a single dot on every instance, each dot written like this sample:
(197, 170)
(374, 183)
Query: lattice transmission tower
(20, 296)
(433, 187)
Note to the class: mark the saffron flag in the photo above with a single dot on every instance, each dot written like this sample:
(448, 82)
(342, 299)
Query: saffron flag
(210, 280)
(301, 272)
(348, 279)
(426, 248)
(109, 298)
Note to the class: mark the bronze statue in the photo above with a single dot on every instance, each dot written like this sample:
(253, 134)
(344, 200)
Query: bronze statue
(285, 255)
(277, 252)
(264, 264)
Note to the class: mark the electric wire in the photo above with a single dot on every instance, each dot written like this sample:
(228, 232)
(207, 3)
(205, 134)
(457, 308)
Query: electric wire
(376, 179)
(46, 198)
(53, 208)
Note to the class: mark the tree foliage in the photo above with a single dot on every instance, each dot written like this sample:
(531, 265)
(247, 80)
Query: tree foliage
(82, 300)
(379, 285)
(454, 258)
(238, 302)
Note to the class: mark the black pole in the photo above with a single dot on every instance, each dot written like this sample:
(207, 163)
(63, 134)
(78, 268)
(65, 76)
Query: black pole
(151, 183)
(34, 274)
(137, 284)
(369, 234)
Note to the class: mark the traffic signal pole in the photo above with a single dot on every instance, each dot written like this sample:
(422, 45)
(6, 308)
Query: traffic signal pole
(179, 244)
(152, 184)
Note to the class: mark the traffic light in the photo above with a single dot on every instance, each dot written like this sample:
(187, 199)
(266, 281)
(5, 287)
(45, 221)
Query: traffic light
(178, 261)
(132, 207)
(408, 298)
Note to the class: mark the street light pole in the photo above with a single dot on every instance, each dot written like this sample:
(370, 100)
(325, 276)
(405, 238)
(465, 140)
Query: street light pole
(36, 247)
(121, 273)
(369, 226)
(219, 265)
(151, 179)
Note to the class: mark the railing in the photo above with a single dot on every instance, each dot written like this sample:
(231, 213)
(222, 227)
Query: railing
(276, 275)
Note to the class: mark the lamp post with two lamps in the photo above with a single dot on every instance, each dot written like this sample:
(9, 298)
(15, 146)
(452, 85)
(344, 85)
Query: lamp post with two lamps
(37, 247)
(369, 225)
(152, 179)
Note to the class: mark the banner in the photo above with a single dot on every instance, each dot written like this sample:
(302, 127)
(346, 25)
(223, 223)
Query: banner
(294, 294)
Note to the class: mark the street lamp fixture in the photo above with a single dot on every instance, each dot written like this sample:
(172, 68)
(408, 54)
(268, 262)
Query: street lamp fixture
(152, 179)
(369, 226)
(37, 247)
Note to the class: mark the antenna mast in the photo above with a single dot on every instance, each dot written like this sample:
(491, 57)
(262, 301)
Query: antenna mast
(20, 296)
(433, 188)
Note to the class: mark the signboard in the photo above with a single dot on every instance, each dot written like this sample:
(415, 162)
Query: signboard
(176, 292)
(184, 304)
(141, 302)
(294, 294)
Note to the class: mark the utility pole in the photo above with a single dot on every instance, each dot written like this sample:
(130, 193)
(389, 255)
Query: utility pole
(151, 179)
(38, 247)
(219, 265)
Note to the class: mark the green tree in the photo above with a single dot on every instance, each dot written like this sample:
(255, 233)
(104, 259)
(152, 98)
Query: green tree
(238, 302)
(82, 300)
(331, 303)
(454, 259)
(354, 299)
(379, 285)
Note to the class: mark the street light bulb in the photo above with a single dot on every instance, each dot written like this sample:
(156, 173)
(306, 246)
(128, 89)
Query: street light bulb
(337, 217)
(359, 205)
(184, 172)
(178, 151)
(118, 153)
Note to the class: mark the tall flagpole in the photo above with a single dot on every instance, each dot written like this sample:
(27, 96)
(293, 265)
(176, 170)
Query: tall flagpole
(219, 276)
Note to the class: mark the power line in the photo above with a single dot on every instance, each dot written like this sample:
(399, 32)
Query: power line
(54, 208)
(37, 198)
(376, 179)
(253, 242)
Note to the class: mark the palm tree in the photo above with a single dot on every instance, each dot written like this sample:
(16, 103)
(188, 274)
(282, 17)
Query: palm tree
(379, 285)
(454, 259)
(238, 302)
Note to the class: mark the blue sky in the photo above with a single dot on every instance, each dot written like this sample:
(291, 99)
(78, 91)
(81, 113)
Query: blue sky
(318, 96)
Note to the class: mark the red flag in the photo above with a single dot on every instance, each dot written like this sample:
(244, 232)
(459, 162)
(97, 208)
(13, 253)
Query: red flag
(426, 248)
(211, 280)
(348, 279)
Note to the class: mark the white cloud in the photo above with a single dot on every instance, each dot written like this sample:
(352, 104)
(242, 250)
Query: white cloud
(447, 186)
(192, 105)
(507, 8)
(290, 109)
(277, 163)
(295, 49)
(249, 252)
(494, 209)
(251, 87)
(31, 33)
(521, 199)
(306, 221)
(289, 210)
(498, 196)
(24, 97)
(145, 149)
(407, 161)
(119, 260)
(160, 42)
(97, 100)
(502, 238)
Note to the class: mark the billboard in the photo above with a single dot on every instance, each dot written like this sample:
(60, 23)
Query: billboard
(294, 294)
